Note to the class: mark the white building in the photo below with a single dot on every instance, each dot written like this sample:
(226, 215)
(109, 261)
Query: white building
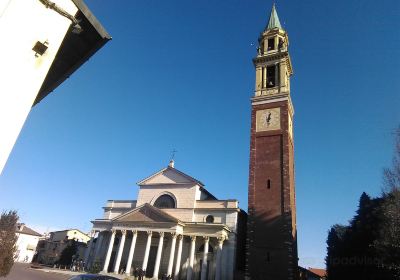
(43, 43)
(175, 227)
(26, 243)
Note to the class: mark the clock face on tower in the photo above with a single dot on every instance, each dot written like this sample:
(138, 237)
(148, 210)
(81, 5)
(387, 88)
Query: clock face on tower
(268, 119)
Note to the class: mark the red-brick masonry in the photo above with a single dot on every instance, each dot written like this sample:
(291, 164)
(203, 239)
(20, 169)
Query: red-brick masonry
(271, 238)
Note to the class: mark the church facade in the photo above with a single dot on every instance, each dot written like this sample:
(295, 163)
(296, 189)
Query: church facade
(175, 227)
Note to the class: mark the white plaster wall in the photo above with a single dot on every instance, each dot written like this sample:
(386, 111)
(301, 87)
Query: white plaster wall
(231, 220)
(226, 217)
(58, 235)
(77, 235)
(184, 215)
(26, 247)
(200, 216)
(184, 194)
(168, 177)
(112, 213)
(198, 193)
(22, 24)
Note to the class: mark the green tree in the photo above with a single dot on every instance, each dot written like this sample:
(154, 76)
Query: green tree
(388, 243)
(335, 251)
(8, 238)
(68, 253)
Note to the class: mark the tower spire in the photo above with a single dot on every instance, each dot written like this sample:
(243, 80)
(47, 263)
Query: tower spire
(273, 21)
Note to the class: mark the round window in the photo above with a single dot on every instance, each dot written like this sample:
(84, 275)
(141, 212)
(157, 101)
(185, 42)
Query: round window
(210, 219)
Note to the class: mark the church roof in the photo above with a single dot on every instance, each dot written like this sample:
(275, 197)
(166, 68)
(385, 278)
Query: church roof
(273, 21)
(169, 175)
(146, 213)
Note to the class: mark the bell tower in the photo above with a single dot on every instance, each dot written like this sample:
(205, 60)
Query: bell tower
(272, 237)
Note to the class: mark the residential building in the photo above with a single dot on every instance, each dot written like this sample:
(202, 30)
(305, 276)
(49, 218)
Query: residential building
(50, 248)
(26, 243)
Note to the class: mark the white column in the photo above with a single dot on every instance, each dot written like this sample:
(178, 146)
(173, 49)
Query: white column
(204, 266)
(89, 247)
(191, 258)
(147, 251)
(120, 251)
(110, 247)
(99, 242)
(178, 258)
(264, 78)
(171, 254)
(158, 258)
(219, 258)
(131, 252)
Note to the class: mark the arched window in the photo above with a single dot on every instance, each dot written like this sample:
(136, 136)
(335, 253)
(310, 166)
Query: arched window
(210, 219)
(165, 201)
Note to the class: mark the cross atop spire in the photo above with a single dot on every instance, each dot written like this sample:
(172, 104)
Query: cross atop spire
(273, 21)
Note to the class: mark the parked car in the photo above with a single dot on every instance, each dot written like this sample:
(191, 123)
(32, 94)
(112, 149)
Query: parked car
(92, 277)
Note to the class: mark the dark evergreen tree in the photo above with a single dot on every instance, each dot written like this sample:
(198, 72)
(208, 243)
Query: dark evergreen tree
(68, 253)
(388, 243)
(369, 247)
(335, 251)
(8, 238)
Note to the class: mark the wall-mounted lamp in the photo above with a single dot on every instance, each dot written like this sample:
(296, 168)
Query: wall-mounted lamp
(40, 48)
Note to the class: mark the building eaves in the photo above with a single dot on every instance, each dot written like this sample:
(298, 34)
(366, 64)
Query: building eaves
(29, 231)
(75, 49)
(190, 178)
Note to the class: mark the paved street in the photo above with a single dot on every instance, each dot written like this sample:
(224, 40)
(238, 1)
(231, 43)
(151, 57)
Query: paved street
(22, 271)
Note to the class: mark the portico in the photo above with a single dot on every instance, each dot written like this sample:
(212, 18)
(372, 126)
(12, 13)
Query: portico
(164, 233)
(163, 239)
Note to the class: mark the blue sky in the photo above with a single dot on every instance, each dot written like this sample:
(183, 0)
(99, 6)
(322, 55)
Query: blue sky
(179, 74)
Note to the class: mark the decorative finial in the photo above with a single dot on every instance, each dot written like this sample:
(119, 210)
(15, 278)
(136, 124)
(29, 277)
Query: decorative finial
(172, 162)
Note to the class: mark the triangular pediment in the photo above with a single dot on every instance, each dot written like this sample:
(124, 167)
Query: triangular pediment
(146, 213)
(169, 175)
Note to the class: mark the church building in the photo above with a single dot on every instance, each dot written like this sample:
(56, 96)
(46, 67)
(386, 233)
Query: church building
(175, 227)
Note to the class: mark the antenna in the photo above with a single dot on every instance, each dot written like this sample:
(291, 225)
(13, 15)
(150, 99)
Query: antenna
(173, 152)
